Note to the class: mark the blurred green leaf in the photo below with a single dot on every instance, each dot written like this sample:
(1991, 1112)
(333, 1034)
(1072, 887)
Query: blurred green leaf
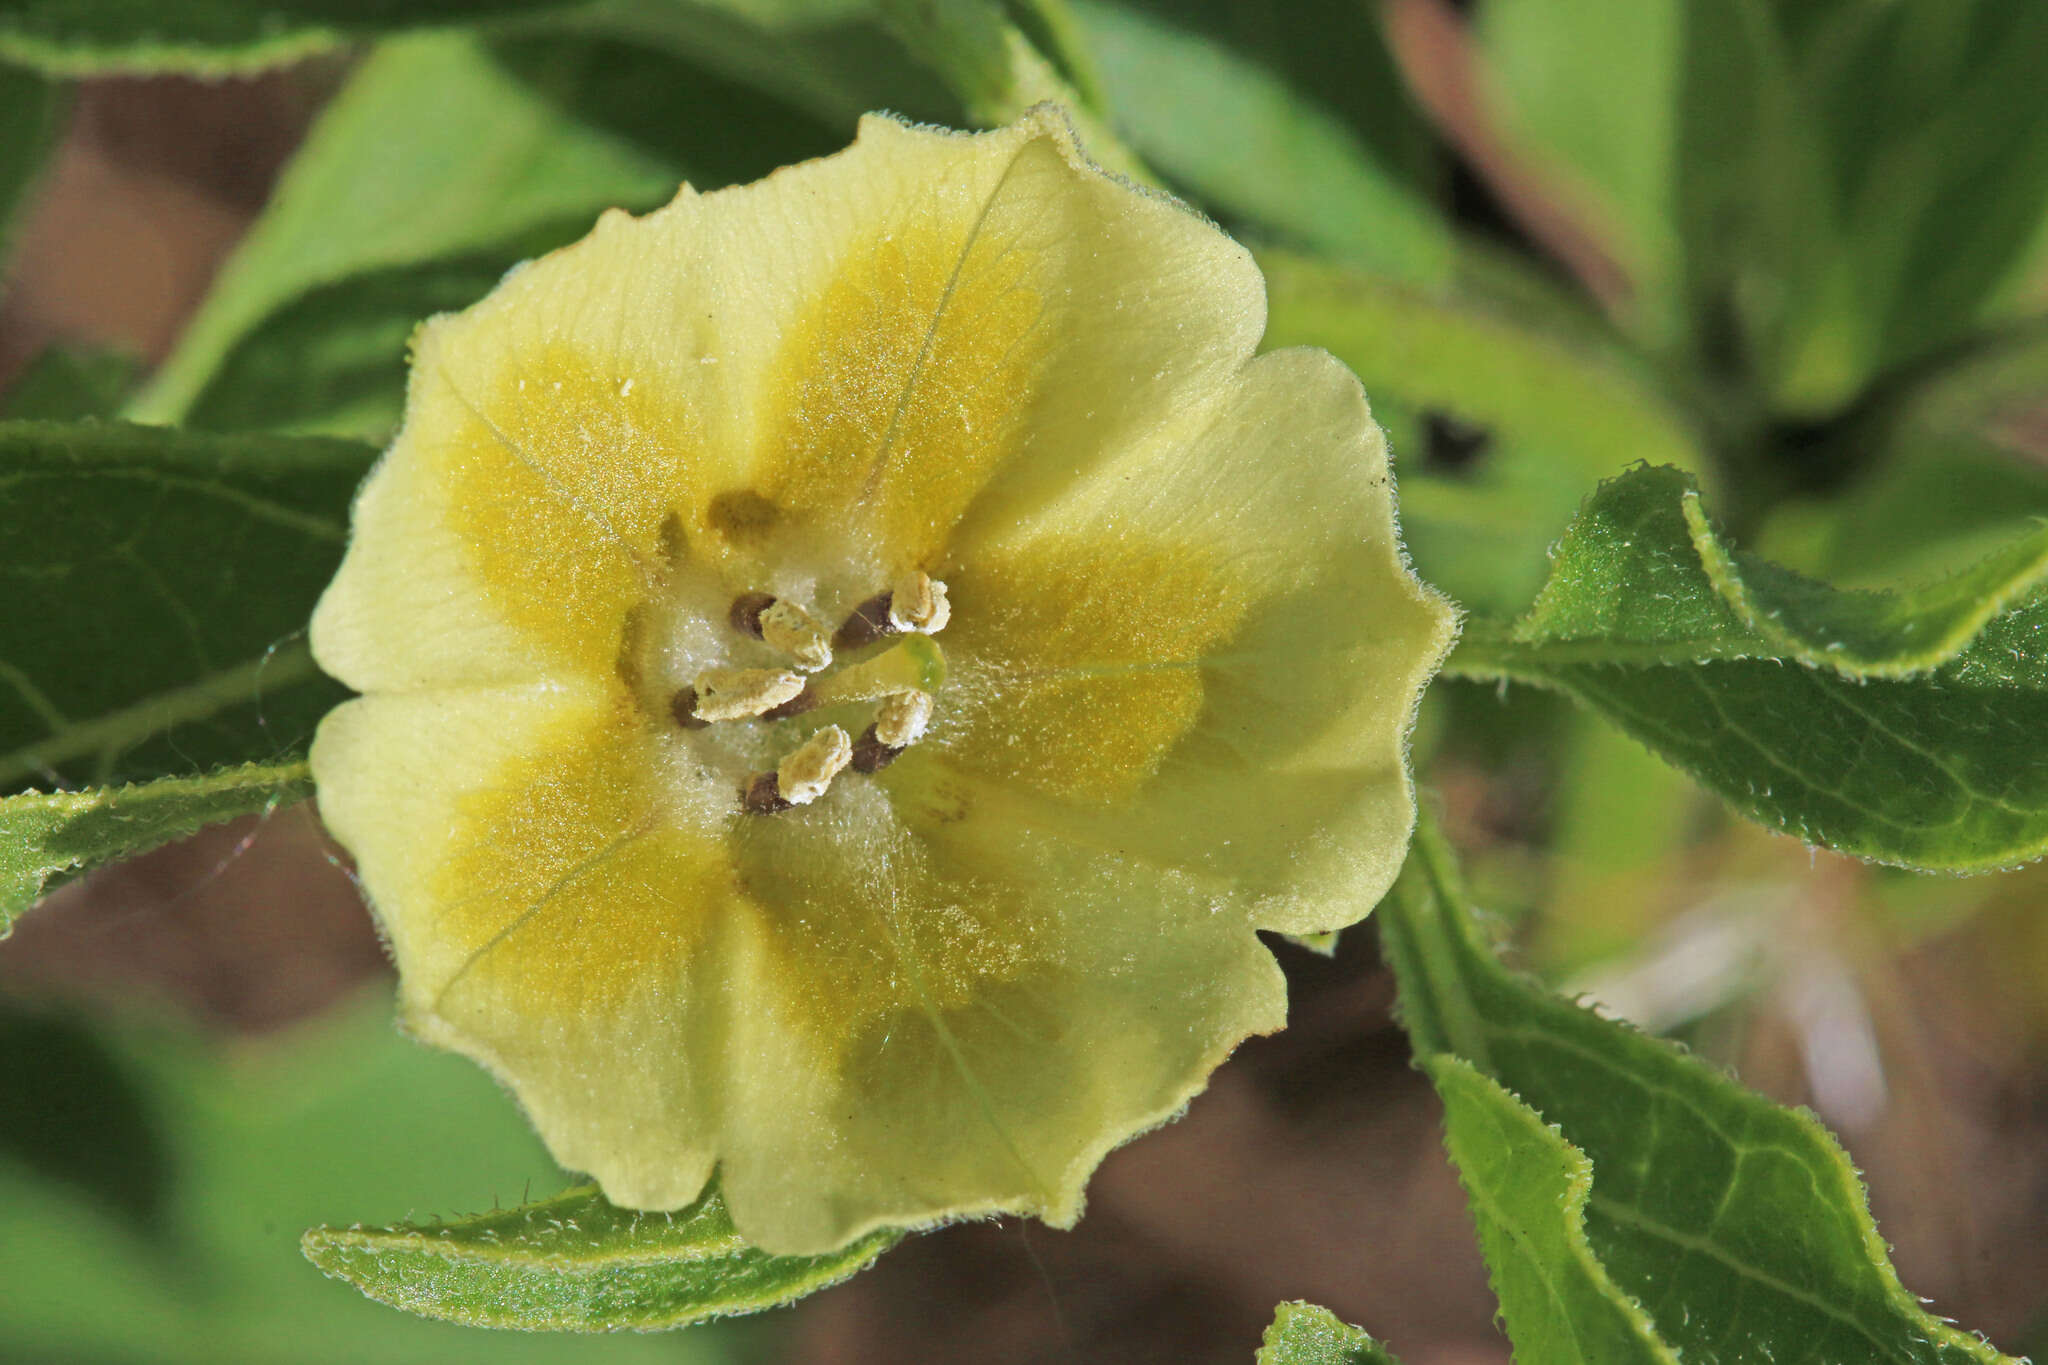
(332, 360)
(1547, 418)
(432, 149)
(1233, 133)
(1629, 1196)
(46, 836)
(31, 110)
(992, 65)
(162, 582)
(575, 1263)
(833, 59)
(1858, 184)
(66, 385)
(1960, 470)
(75, 1115)
(263, 1138)
(1904, 727)
(1303, 1334)
(1595, 87)
(214, 37)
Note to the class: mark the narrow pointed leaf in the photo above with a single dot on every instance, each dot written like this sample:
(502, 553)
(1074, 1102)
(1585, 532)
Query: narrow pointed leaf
(1303, 1334)
(1903, 727)
(576, 1263)
(1738, 1229)
(49, 836)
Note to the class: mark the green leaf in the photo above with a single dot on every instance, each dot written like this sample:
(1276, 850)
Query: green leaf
(162, 582)
(1596, 88)
(1234, 134)
(214, 37)
(262, 1137)
(31, 110)
(45, 836)
(65, 385)
(834, 59)
(1728, 1228)
(332, 360)
(1552, 417)
(432, 150)
(1902, 727)
(1527, 1188)
(1303, 1334)
(574, 1263)
(996, 71)
(1959, 471)
(76, 1115)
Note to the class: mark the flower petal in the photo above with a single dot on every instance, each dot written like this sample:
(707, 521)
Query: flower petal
(1269, 680)
(548, 917)
(1012, 1012)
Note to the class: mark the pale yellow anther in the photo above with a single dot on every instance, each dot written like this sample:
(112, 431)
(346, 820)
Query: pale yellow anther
(803, 777)
(740, 693)
(789, 628)
(901, 719)
(918, 603)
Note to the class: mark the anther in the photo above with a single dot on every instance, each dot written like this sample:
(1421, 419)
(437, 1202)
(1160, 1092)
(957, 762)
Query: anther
(800, 778)
(918, 602)
(900, 722)
(737, 693)
(870, 755)
(868, 623)
(902, 718)
(784, 626)
(760, 796)
(683, 706)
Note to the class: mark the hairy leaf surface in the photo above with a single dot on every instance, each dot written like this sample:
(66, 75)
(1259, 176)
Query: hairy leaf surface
(1303, 1334)
(577, 1263)
(1729, 1228)
(1904, 727)
(47, 836)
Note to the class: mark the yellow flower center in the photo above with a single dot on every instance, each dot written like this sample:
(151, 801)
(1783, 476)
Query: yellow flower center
(881, 660)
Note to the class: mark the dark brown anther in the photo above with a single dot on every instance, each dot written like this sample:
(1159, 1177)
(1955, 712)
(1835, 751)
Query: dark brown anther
(745, 614)
(762, 796)
(870, 755)
(683, 706)
(868, 623)
(795, 706)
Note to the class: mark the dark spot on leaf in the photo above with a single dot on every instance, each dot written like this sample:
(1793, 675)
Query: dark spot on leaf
(1451, 445)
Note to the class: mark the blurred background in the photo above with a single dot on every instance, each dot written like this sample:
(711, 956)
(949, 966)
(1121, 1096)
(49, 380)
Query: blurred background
(196, 1054)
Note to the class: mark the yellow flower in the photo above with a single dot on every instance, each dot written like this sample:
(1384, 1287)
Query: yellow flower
(849, 663)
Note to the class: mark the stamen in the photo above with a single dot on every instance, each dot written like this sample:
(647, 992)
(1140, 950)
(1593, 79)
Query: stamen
(760, 796)
(918, 602)
(870, 755)
(683, 707)
(899, 723)
(803, 777)
(784, 626)
(868, 623)
(737, 693)
(902, 718)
